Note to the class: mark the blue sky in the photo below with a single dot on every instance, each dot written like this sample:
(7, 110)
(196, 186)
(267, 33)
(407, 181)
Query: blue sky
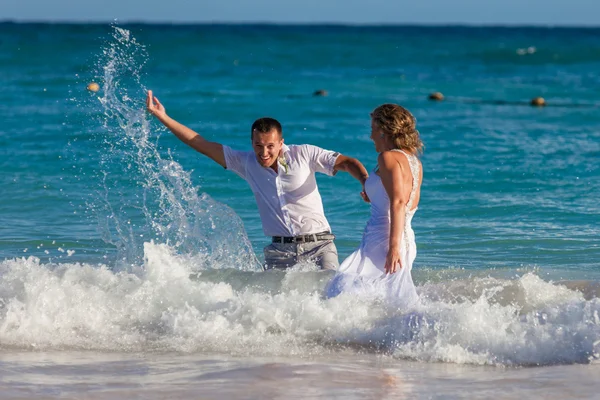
(505, 12)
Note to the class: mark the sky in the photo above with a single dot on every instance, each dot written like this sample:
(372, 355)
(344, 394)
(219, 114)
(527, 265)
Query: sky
(469, 12)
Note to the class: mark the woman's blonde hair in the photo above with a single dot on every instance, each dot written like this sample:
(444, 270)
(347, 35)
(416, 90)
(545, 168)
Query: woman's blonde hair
(399, 125)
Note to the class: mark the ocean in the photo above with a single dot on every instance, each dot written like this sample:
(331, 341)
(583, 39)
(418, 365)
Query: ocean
(130, 265)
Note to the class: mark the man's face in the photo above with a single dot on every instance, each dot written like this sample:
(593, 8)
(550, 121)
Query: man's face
(266, 147)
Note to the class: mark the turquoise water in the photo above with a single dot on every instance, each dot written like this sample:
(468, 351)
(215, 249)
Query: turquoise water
(116, 237)
(505, 185)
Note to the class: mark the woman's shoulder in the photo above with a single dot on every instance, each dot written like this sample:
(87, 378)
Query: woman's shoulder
(394, 155)
(390, 159)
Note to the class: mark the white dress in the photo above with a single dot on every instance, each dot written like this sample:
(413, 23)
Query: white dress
(363, 272)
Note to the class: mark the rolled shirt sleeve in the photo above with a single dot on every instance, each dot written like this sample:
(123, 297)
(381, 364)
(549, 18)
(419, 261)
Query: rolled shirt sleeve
(321, 160)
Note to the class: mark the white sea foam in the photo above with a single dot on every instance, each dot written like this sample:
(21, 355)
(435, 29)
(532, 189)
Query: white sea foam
(164, 308)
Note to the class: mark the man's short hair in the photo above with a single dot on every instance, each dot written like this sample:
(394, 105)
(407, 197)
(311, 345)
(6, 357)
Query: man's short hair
(266, 125)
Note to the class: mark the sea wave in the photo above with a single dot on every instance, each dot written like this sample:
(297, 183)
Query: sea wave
(169, 303)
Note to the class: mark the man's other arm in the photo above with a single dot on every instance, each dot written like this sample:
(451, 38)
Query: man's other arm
(352, 166)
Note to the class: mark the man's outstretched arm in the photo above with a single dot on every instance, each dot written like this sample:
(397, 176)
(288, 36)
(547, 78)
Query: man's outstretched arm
(353, 167)
(186, 135)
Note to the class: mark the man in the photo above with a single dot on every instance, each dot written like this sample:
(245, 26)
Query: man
(282, 179)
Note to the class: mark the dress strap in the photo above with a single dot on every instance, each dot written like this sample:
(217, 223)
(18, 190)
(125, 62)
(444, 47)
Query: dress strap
(413, 163)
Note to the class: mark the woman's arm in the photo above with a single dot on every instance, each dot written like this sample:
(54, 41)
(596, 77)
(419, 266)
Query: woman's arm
(391, 173)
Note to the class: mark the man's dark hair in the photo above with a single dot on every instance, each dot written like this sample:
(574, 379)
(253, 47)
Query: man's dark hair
(265, 125)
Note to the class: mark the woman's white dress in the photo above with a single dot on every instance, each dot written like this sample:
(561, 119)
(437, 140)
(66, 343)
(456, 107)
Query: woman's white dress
(363, 272)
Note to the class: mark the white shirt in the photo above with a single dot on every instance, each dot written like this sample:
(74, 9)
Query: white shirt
(288, 200)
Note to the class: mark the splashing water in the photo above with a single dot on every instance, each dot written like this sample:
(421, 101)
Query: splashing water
(142, 196)
(81, 306)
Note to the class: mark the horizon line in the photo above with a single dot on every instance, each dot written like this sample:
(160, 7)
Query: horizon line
(118, 21)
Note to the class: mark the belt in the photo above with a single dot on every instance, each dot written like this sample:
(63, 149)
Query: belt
(313, 237)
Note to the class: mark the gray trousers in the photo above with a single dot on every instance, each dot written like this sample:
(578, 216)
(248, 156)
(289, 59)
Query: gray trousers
(285, 255)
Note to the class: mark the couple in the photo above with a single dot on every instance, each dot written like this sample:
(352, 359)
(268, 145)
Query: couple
(282, 179)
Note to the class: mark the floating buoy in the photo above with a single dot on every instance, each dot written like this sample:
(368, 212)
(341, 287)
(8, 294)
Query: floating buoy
(538, 102)
(320, 92)
(93, 87)
(436, 96)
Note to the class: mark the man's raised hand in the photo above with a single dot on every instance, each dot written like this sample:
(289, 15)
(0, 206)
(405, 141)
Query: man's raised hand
(154, 106)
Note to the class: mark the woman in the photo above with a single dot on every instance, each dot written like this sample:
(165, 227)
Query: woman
(381, 266)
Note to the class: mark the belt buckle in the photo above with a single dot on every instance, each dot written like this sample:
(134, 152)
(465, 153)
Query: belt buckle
(308, 238)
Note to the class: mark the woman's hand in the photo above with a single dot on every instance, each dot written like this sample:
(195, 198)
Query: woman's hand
(364, 196)
(393, 262)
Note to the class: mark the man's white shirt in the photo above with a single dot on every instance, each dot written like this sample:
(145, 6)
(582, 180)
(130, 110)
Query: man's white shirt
(288, 201)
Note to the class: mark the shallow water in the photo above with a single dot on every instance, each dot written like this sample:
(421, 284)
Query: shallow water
(94, 375)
